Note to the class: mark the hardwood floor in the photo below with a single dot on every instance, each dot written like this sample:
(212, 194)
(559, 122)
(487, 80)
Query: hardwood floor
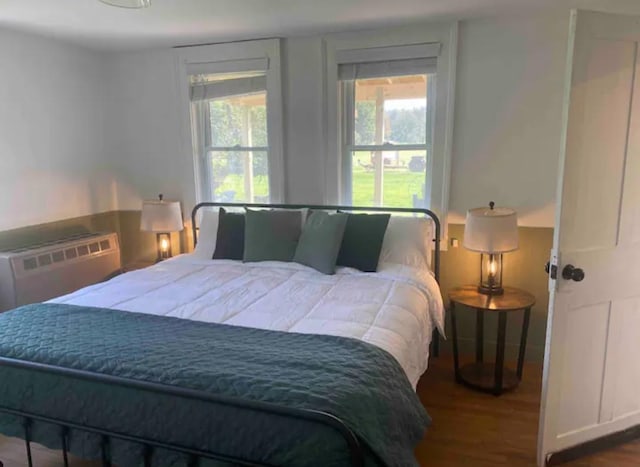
(469, 429)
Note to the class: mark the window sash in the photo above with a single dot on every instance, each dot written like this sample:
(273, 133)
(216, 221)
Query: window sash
(348, 146)
(237, 147)
(367, 70)
(228, 88)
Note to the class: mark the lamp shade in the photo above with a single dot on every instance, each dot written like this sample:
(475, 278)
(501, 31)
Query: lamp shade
(491, 230)
(161, 216)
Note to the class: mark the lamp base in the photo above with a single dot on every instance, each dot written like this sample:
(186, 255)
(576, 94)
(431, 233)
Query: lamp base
(490, 290)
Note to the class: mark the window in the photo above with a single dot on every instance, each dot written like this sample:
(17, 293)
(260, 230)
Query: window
(387, 131)
(233, 95)
(231, 111)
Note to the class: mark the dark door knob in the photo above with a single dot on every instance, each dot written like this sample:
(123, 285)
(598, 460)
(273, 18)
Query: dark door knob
(570, 272)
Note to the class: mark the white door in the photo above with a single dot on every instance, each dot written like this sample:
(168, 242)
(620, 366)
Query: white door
(591, 382)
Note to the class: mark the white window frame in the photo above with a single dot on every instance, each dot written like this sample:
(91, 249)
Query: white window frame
(230, 58)
(347, 110)
(352, 47)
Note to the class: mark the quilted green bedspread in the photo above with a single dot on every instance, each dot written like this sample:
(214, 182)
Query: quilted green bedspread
(355, 381)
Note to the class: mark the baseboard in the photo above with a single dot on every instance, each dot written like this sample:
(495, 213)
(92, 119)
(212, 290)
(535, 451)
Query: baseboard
(594, 446)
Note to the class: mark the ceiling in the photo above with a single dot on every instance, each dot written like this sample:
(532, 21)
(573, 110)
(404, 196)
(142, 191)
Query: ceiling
(182, 22)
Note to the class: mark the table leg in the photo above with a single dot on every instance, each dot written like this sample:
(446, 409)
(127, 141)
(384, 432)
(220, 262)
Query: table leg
(523, 341)
(454, 335)
(502, 337)
(479, 335)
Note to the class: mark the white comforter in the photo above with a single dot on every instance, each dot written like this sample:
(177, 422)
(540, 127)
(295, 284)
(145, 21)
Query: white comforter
(395, 309)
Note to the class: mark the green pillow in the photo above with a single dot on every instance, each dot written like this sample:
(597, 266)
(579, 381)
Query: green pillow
(230, 240)
(320, 241)
(362, 241)
(271, 235)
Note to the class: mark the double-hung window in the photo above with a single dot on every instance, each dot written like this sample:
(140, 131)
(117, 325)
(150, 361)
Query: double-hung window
(387, 110)
(235, 101)
(230, 112)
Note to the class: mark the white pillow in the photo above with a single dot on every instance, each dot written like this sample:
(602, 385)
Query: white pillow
(208, 234)
(408, 241)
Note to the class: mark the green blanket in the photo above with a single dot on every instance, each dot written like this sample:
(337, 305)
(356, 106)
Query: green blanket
(355, 381)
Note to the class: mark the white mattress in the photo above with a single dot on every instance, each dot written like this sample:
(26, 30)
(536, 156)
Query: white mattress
(395, 309)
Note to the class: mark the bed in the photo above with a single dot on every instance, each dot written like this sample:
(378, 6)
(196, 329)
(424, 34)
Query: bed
(201, 362)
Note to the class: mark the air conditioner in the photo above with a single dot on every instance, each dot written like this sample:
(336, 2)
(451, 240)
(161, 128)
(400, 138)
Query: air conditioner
(43, 271)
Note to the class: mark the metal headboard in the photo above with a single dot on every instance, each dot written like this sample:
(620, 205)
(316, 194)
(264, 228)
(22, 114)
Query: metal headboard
(426, 212)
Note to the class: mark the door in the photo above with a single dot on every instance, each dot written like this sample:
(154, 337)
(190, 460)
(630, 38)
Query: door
(591, 381)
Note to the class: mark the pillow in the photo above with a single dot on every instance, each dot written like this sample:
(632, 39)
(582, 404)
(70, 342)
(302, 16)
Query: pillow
(230, 241)
(207, 234)
(362, 241)
(320, 241)
(408, 241)
(271, 235)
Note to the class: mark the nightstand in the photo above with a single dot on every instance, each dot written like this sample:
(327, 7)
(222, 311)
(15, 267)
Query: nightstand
(490, 377)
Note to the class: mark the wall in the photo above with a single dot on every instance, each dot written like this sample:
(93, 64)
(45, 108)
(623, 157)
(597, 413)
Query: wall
(507, 118)
(51, 132)
(506, 133)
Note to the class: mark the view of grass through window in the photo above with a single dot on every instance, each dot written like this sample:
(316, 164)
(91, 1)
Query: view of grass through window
(389, 159)
(239, 174)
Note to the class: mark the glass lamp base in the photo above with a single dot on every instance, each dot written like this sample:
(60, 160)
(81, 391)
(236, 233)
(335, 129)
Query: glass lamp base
(490, 290)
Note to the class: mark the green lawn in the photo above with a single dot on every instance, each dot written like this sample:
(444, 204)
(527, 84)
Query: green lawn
(399, 186)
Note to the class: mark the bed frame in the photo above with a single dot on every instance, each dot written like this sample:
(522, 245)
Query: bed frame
(355, 449)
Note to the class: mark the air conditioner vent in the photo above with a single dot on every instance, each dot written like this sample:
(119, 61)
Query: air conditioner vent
(50, 269)
(57, 256)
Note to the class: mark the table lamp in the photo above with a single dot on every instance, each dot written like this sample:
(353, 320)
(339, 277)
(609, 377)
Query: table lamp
(491, 232)
(161, 217)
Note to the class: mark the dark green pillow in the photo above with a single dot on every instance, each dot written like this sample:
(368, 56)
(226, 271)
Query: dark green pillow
(271, 235)
(230, 240)
(320, 241)
(362, 241)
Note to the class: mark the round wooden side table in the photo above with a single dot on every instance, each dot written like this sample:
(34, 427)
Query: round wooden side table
(490, 377)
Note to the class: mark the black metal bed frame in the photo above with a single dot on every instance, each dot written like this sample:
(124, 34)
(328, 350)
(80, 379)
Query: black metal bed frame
(356, 453)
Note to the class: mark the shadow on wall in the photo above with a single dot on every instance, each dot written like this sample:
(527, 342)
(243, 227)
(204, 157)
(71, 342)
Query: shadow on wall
(523, 268)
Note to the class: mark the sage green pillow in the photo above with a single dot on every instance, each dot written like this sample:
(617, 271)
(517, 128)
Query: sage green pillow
(271, 235)
(320, 241)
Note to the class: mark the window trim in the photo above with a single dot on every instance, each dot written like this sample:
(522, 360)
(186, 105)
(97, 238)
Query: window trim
(226, 58)
(334, 46)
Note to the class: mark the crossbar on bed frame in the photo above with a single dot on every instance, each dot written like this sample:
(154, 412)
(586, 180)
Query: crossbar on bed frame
(355, 449)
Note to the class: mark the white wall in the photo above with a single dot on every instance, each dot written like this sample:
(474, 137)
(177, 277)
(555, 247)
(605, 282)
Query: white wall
(84, 132)
(506, 134)
(508, 112)
(144, 129)
(52, 164)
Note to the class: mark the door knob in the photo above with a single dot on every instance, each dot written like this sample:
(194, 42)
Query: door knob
(570, 272)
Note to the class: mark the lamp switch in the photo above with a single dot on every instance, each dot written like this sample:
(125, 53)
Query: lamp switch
(455, 243)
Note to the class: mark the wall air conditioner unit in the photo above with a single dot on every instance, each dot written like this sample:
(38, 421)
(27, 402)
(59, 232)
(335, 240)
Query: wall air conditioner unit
(47, 270)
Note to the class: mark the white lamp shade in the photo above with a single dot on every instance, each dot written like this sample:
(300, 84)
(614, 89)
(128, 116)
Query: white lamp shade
(491, 230)
(128, 3)
(161, 216)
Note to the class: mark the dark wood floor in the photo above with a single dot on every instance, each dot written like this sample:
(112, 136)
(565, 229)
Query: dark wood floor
(469, 429)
